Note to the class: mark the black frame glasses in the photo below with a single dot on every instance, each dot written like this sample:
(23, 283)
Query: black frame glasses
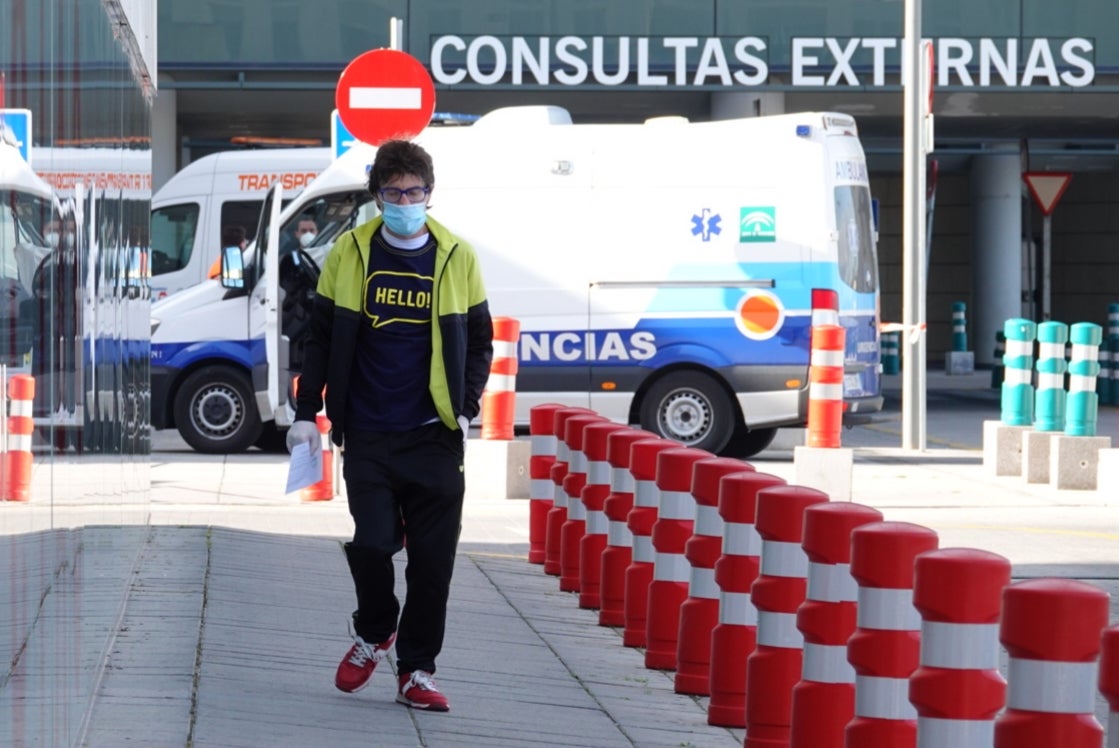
(393, 194)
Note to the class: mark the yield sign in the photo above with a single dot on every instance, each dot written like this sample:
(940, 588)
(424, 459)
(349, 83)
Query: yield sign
(385, 94)
(1047, 188)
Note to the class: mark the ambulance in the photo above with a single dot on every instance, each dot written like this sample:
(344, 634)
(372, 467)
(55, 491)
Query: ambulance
(222, 189)
(665, 274)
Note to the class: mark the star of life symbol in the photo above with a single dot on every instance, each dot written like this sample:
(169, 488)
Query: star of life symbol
(706, 224)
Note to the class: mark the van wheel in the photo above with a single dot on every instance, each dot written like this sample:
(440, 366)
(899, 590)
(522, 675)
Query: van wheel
(215, 411)
(748, 443)
(691, 408)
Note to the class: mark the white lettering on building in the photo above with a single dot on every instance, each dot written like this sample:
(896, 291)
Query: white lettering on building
(685, 61)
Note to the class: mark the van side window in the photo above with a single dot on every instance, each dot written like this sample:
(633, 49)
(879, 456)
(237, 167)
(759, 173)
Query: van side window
(858, 259)
(173, 230)
(238, 213)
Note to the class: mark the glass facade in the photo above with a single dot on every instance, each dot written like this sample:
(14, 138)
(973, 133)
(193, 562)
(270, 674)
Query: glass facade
(286, 34)
(75, 180)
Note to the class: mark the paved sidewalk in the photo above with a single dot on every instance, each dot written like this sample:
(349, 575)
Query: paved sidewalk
(235, 602)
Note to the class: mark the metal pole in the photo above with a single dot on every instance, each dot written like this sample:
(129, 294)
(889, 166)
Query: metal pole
(1046, 267)
(396, 33)
(913, 235)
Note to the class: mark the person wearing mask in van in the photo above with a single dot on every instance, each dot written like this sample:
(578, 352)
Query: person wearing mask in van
(306, 231)
(231, 236)
(401, 339)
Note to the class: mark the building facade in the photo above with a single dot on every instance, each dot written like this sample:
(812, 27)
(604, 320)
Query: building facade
(1020, 86)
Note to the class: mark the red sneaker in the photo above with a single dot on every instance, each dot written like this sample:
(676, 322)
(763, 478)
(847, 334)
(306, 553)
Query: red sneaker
(418, 691)
(357, 666)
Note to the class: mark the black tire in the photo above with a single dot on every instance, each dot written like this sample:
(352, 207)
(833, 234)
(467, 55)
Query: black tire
(748, 443)
(692, 408)
(215, 411)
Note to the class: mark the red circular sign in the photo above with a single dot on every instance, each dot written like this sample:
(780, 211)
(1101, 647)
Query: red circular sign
(385, 94)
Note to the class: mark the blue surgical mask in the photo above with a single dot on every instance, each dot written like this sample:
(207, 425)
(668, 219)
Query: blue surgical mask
(404, 220)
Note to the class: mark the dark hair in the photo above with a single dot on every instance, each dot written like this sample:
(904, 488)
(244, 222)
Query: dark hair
(232, 236)
(397, 158)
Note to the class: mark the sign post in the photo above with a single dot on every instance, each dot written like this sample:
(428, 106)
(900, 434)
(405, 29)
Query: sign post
(1047, 189)
(385, 94)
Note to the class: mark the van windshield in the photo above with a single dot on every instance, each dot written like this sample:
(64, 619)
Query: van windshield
(858, 258)
(325, 218)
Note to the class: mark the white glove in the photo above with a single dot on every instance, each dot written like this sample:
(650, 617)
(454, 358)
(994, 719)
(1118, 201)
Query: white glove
(302, 431)
(464, 424)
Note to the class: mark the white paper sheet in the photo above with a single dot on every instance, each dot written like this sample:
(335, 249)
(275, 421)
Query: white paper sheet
(305, 468)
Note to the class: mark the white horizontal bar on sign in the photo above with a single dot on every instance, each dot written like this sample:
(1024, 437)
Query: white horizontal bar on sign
(386, 97)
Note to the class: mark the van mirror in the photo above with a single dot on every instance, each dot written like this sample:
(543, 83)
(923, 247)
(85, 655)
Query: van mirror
(232, 268)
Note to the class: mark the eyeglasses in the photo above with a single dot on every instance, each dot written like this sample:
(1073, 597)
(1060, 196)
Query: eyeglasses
(393, 194)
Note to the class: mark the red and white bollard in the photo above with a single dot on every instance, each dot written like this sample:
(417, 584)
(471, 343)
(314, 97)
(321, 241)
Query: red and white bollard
(774, 667)
(500, 393)
(618, 554)
(885, 648)
(1052, 629)
(1109, 681)
(15, 483)
(957, 689)
(736, 634)
(675, 522)
(593, 497)
(824, 699)
(646, 505)
(541, 489)
(575, 526)
(825, 386)
(557, 515)
(700, 612)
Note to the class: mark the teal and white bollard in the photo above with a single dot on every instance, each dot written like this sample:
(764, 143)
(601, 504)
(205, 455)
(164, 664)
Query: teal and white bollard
(1082, 406)
(1103, 381)
(1000, 352)
(1112, 383)
(1017, 387)
(959, 326)
(1049, 400)
(891, 353)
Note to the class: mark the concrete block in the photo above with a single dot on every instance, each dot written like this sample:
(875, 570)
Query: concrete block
(497, 469)
(959, 362)
(1074, 461)
(1035, 455)
(1107, 477)
(1002, 448)
(825, 469)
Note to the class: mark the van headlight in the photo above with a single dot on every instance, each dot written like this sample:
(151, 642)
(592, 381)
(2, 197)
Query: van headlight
(155, 326)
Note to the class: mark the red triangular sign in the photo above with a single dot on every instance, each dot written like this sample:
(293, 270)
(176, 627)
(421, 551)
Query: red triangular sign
(1047, 188)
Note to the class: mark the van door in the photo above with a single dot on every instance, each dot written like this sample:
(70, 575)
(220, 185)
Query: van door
(264, 310)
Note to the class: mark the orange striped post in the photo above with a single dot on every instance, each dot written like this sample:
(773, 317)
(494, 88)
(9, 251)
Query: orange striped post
(499, 396)
(324, 489)
(15, 483)
(825, 386)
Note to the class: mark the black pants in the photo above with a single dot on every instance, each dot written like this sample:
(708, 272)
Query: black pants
(405, 489)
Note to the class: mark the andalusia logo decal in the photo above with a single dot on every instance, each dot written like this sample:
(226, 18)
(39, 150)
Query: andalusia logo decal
(757, 224)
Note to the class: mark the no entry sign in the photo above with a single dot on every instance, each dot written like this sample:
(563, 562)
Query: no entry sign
(385, 94)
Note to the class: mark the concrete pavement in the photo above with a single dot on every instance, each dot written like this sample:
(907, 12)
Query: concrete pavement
(235, 610)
